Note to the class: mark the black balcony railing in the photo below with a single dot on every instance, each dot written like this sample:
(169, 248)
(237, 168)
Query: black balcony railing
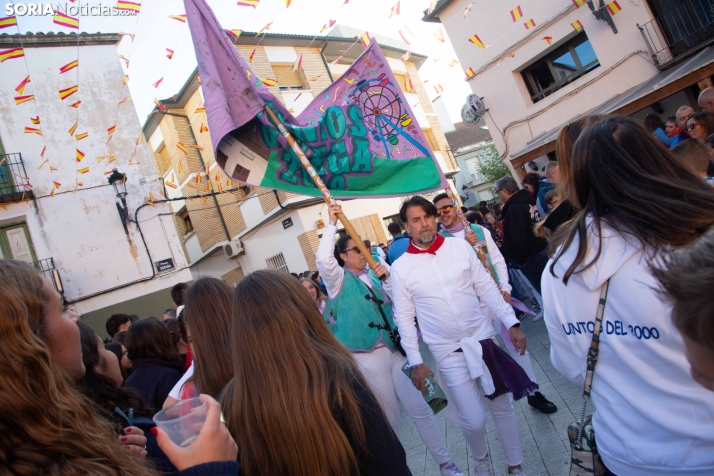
(48, 270)
(680, 32)
(14, 183)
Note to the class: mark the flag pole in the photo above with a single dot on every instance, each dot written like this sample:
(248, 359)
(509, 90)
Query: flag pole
(321, 186)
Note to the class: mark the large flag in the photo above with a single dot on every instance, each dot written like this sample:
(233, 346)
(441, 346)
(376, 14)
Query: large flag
(360, 134)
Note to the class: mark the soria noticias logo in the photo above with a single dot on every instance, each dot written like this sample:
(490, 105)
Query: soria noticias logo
(42, 9)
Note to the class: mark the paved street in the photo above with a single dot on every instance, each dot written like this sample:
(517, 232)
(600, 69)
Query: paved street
(544, 438)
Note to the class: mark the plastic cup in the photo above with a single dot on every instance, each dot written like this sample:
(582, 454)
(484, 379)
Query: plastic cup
(182, 421)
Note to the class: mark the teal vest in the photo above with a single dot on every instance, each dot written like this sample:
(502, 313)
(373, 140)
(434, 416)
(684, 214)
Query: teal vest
(349, 314)
(481, 244)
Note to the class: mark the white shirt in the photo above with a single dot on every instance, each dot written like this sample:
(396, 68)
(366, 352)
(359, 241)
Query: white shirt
(441, 290)
(175, 392)
(497, 260)
(652, 418)
(331, 272)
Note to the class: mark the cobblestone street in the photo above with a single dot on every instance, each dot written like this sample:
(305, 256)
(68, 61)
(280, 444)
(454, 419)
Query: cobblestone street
(544, 437)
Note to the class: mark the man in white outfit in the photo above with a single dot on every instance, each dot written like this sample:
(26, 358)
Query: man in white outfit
(441, 280)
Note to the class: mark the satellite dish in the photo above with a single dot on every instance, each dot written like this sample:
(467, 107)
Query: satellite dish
(469, 118)
(476, 105)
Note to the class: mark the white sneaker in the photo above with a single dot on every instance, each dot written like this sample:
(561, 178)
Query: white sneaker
(519, 471)
(539, 317)
(450, 470)
(483, 467)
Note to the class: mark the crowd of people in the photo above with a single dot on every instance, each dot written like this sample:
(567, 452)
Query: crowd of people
(304, 376)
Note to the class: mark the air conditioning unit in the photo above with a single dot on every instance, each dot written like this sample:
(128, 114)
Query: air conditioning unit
(232, 249)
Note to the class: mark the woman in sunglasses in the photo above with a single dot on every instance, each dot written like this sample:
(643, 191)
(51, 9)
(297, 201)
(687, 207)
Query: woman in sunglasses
(700, 125)
(359, 313)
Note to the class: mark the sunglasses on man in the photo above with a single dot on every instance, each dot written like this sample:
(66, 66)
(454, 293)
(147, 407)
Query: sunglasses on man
(444, 210)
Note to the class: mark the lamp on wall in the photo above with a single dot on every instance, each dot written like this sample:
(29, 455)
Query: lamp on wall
(118, 181)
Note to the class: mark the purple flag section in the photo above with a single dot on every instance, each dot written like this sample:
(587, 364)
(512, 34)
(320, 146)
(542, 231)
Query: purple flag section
(359, 134)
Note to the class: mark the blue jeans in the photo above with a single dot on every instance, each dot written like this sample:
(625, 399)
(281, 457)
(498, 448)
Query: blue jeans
(533, 269)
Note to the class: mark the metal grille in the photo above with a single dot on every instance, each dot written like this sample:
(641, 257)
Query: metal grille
(48, 270)
(14, 183)
(679, 32)
(277, 262)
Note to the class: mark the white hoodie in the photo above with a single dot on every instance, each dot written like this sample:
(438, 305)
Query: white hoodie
(651, 417)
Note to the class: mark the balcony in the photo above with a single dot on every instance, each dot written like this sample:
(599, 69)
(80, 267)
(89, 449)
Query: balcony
(14, 184)
(48, 270)
(680, 32)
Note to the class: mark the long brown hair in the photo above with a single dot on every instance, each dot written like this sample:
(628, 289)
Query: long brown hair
(291, 378)
(46, 426)
(208, 312)
(623, 177)
(150, 339)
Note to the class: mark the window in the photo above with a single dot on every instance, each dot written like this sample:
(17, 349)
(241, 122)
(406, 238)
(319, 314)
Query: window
(164, 159)
(15, 243)
(187, 223)
(277, 262)
(560, 67)
(287, 79)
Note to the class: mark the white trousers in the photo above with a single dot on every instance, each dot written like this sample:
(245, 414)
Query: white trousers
(382, 369)
(471, 405)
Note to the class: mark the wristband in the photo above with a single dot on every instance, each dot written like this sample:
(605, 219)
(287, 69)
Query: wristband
(415, 366)
(332, 223)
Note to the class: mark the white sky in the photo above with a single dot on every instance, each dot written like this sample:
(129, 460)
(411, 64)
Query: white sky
(155, 32)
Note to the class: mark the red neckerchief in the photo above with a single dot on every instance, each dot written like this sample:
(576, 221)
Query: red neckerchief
(432, 249)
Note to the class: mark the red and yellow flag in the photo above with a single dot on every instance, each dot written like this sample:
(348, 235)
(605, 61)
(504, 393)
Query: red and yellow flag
(476, 41)
(470, 73)
(61, 19)
(129, 6)
(577, 26)
(248, 3)
(297, 64)
(171, 185)
(43, 164)
(180, 167)
(613, 7)
(269, 82)
(364, 39)
(394, 11)
(252, 54)
(182, 148)
(65, 93)
(453, 62)
(578, 3)
(406, 56)
(181, 18)
(265, 28)
(548, 39)
(126, 99)
(32, 130)
(157, 83)
(234, 33)
(79, 155)
(12, 53)
(126, 60)
(439, 34)
(468, 9)
(169, 53)
(122, 33)
(408, 86)
(75, 104)
(516, 13)
(69, 66)
(407, 35)
(529, 24)
(159, 105)
(204, 128)
(57, 184)
(111, 129)
(73, 129)
(7, 22)
(82, 171)
(44, 149)
(196, 146)
(198, 177)
(81, 136)
(35, 120)
(438, 89)
(199, 110)
(315, 78)
(21, 87)
(53, 169)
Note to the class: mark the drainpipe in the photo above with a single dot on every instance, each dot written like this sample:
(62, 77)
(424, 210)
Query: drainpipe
(324, 61)
(203, 163)
(278, 199)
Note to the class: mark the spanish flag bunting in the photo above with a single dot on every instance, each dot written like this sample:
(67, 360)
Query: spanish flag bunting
(407, 35)
(169, 53)
(468, 9)
(432, 6)
(395, 10)
(180, 166)
(364, 39)
(79, 155)
(157, 83)
(198, 79)
(439, 34)
(43, 164)
(269, 82)
(151, 204)
(265, 28)
(453, 62)
(75, 104)
(198, 177)
(516, 13)
(339, 58)
(81, 136)
(297, 64)
(32, 130)
(57, 184)
(234, 33)
(219, 187)
(408, 86)
(81, 184)
(181, 18)
(35, 120)
(65, 20)
(52, 168)
(324, 27)
(52, 192)
(151, 197)
(297, 97)
(200, 109)
(7, 22)
(128, 6)
(126, 99)
(69, 66)
(578, 3)
(315, 78)
(577, 26)
(159, 105)
(100, 159)
(248, 3)
(287, 3)
(73, 129)
(125, 80)
(548, 39)
(476, 41)
(196, 146)
(111, 129)
(406, 56)
(65, 93)
(204, 128)
(83, 171)
(182, 148)
(131, 35)
(438, 89)
(170, 185)
(436, 59)
(125, 60)
(12, 53)
(21, 87)
(252, 54)
(613, 7)
(138, 139)
(529, 24)
(44, 149)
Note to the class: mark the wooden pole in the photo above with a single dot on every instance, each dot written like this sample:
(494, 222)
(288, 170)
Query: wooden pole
(321, 186)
